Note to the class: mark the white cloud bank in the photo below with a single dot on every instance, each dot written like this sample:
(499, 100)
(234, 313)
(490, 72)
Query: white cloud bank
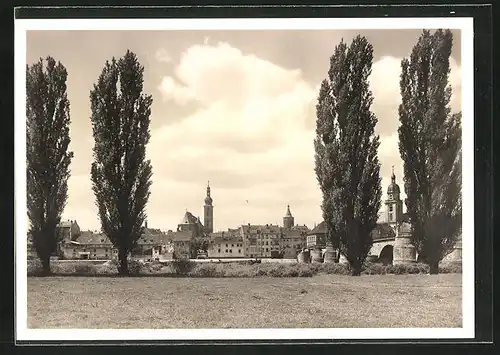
(248, 137)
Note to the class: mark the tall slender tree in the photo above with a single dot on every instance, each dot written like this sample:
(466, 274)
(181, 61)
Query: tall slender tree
(431, 148)
(347, 165)
(48, 157)
(121, 175)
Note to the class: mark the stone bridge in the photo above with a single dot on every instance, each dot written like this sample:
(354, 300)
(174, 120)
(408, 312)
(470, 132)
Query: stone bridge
(383, 250)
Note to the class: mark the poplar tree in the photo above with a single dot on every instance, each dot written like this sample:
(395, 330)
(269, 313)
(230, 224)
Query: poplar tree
(347, 165)
(47, 154)
(431, 148)
(120, 173)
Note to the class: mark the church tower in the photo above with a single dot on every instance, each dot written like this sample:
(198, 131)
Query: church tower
(208, 212)
(394, 204)
(288, 220)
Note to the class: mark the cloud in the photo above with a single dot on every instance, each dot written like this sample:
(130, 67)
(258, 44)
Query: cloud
(247, 103)
(171, 90)
(252, 132)
(162, 56)
(247, 125)
(251, 136)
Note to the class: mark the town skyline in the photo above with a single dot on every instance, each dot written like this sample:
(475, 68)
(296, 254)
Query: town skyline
(236, 108)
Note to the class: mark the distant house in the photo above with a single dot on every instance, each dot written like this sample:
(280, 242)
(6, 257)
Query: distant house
(181, 242)
(89, 245)
(191, 224)
(261, 240)
(68, 230)
(149, 239)
(293, 240)
(226, 245)
(163, 252)
(317, 237)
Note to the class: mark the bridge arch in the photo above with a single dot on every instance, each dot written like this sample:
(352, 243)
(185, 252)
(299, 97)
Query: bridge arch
(386, 254)
(379, 245)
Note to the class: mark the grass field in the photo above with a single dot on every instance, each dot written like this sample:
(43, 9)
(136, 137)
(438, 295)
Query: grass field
(321, 301)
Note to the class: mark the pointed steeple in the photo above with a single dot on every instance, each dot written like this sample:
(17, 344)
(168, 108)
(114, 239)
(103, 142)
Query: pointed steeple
(288, 213)
(393, 176)
(208, 212)
(208, 198)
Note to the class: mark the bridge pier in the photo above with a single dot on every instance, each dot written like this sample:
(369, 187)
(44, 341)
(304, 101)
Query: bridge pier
(403, 252)
(330, 254)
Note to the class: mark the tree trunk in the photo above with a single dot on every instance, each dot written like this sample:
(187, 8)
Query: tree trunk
(434, 267)
(355, 268)
(122, 263)
(45, 259)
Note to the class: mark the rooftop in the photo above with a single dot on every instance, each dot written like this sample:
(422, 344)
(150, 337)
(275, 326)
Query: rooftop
(319, 229)
(178, 237)
(92, 238)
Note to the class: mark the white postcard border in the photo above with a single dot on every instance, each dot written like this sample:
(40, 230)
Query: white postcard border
(466, 27)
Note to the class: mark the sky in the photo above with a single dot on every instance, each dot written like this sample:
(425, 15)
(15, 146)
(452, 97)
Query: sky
(236, 108)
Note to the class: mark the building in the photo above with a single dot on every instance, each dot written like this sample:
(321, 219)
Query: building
(163, 252)
(226, 244)
(317, 237)
(293, 241)
(89, 245)
(246, 241)
(191, 224)
(293, 237)
(395, 230)
(181, 243)
(392, 238)
(68, 229)
(259, 240)
(383, 235)
(150, 238)
(208, 212)
(288, 220)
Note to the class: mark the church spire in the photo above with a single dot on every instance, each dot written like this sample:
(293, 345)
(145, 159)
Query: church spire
(394, 205)
(288, 220)
(208, 210)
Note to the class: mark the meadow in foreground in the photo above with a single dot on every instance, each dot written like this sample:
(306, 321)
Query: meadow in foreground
(335, 301)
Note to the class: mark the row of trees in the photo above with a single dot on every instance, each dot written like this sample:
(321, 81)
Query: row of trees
(120, 173)
(347, 165)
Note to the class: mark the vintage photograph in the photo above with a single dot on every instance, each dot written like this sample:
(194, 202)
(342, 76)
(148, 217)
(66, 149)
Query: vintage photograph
(244, 178)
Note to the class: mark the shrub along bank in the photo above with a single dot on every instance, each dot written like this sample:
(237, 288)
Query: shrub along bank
(186, 268)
